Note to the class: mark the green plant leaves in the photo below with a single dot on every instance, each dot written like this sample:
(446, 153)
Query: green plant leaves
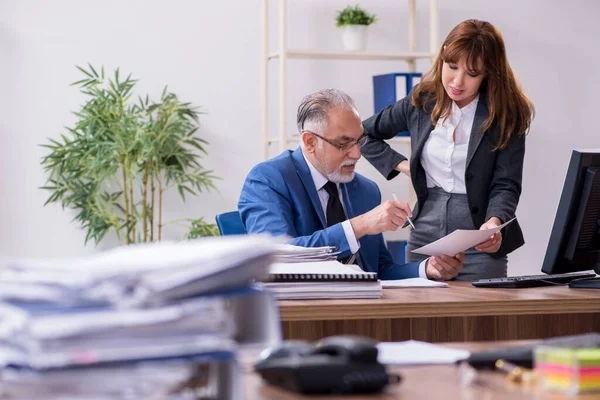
(115, 163)
(200, 228)
(354, 16)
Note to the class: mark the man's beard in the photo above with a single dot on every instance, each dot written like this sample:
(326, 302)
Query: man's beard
(337, 175)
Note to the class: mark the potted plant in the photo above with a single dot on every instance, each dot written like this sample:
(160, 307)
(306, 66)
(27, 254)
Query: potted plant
(354, 21)
(115, 164)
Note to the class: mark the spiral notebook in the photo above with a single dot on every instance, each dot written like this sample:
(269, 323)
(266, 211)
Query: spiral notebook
(324, 271)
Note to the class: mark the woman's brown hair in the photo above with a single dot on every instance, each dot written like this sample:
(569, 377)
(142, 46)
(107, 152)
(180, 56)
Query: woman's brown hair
(480, 43)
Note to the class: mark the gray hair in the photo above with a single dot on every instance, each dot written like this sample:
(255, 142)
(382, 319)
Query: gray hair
(313, 109)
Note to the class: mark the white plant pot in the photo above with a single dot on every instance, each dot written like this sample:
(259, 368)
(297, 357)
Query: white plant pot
(355, 37)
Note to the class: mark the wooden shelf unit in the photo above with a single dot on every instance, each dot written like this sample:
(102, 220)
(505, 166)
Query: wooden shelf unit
(283, 54)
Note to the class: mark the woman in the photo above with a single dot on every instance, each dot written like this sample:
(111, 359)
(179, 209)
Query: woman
(467, 120)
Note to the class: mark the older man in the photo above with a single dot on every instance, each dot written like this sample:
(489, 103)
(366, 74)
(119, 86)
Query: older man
(313, 194)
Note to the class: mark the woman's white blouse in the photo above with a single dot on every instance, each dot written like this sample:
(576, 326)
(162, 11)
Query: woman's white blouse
(444, 156)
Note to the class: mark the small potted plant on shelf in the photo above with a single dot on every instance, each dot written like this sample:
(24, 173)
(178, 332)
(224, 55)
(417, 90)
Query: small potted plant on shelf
(354, 21)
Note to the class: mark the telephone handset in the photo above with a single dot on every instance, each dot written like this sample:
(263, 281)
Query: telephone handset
(338, 364)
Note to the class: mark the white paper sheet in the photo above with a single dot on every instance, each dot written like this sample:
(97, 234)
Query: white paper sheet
(457, 241)
(412, 283)
(413, 352)
(316, 267)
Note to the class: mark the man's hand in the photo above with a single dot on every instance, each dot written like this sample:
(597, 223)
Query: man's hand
(493, 243)
(403, 167)
(443, 268)
(386, 217)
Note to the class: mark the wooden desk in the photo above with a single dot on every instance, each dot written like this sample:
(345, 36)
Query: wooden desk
(461, 312)
(428, 382)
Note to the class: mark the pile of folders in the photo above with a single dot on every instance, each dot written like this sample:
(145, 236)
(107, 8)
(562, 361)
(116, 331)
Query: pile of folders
(137, 321)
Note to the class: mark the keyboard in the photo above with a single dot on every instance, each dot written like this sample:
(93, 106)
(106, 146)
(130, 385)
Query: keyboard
(523, 355)
(527, 281)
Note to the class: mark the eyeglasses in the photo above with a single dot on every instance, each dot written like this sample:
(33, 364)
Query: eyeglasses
(343, 146)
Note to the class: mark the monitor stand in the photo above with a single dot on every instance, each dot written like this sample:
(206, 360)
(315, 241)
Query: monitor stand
(585, 283)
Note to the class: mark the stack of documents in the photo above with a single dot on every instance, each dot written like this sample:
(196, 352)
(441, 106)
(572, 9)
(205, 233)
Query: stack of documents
(141, 274)
(147, 314)
(144, 380)
(322, 280)
(288, 253)
(43, 337)
(325, 290)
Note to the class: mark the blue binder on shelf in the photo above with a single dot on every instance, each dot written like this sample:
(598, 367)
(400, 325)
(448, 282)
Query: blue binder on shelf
(389, 88)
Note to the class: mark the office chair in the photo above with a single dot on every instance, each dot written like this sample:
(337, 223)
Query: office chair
(230, 223)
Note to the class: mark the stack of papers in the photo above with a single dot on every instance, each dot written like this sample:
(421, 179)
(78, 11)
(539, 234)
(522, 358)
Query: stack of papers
(141, 274)
(325, 290)
(144, 380)
(145, 315)
(322, 280)
(289, 253)
(43, 337)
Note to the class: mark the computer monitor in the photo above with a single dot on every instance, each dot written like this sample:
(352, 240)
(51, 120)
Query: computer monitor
(574, 243)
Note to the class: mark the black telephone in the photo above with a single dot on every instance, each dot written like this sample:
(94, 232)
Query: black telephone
(338, 364)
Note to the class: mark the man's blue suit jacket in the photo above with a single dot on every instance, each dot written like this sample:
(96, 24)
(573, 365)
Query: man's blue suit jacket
(279, 197)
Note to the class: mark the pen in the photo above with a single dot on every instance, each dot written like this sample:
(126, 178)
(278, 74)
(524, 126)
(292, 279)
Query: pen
(514, 372)
(407, 217)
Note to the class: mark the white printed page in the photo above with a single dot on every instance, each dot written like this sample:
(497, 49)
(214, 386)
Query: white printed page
(457, 241)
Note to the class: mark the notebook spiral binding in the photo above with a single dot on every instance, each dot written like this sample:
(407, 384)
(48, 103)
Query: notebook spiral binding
(325, 277)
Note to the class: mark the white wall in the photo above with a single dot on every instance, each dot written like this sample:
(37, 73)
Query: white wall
(208, 53)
